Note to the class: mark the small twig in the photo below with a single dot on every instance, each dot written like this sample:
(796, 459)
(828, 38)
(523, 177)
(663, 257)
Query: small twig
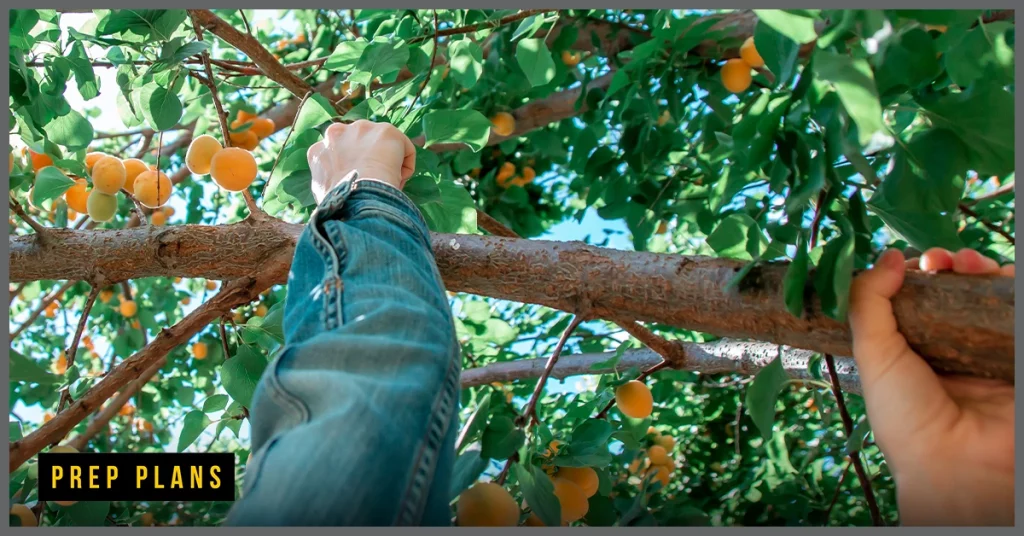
(89, 301)
(739, 418)
(433, 55)
(819, 212)
(500, 479)
(844, 414)
(147, 141)
(222, 116)
(224, 338)
(529, 413)
(526, 13)
(139, 209)
(839, 487)
(263, 194)
(245, 21)
(352, 27)
(1002, 190)
(39, 229)
(42, 307)
(991, 226)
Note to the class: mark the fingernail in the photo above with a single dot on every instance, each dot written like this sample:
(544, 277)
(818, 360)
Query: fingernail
(889, 260)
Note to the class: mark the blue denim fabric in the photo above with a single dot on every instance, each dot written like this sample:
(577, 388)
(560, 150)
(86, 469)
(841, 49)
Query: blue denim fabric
(354, 422)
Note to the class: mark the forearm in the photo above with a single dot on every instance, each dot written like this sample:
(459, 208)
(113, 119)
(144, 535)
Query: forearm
(950, 496)
(353, 419)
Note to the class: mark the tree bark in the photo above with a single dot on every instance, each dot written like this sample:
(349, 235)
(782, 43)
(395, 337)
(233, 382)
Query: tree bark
(720, 357)
(961, 324)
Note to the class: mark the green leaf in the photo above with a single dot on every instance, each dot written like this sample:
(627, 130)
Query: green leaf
(738, 237)
(468, 467)
(856, 440)
(50, 184)
(591, 434)
(161, 107)
(796, 26)
(476, 423)
(780, 53)
(467, 62)
(191, 428)
(456, 213)
(984, 51)
(539, 493)
(457, 126)
(346, 55)
(316, 111)
(70, 130)
(499, 332)
(535, 60)
(364, 110)
(855, 84)
(380, 58)
(943, 160)
(215, 403)
(85, 77)
(982, 116)
(909, 62)
(842, 276)
(241, 373)
(23, 369)
(795, 281)
(762, 395)
(913, 209)
(87, 513)
(501, 438)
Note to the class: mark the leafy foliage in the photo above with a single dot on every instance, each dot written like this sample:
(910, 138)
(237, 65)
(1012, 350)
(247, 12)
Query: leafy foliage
(865, 129)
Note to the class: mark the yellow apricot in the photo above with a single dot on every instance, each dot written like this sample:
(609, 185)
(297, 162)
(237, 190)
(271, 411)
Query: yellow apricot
(77, 196)
(101, 206)
(59, 449)
(661, 474)
(200, 152)
(584, 477)
(666, 442)
(664, 118)
(109, 175)
(168, 210)
(128, 308)
(133, 167)
(261, 310)
(750, 54)
(658, 455)
(487, 504)
(572, 498)
(92, 158)
(263, 127)
(570, 59)
(634, 399)
(736, 75)
(24, 515)
(503, 123)
(233, 169)
(39, 160)
(199, 350)
(211, 285)
(158, 218)
(105, 295)
(245, 139)
(152, 188)
(60, 366)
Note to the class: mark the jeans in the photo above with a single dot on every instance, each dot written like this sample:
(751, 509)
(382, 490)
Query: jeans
(354, 422)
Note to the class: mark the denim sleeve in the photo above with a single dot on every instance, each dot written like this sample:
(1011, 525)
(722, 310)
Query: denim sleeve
(354, 422)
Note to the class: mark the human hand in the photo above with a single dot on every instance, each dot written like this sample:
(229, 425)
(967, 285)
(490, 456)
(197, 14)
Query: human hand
(948, 441)
(375, 150)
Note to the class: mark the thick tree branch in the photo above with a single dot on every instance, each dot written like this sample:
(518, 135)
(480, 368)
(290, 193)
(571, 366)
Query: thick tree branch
(962, 324)
(720, 357)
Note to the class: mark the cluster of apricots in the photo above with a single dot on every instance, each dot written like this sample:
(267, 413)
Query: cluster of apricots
(736, 75)
(656, 461)
(232, 168)
(110, 175)
(507, 175)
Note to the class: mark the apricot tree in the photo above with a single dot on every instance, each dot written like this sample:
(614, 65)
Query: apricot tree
(754, 161)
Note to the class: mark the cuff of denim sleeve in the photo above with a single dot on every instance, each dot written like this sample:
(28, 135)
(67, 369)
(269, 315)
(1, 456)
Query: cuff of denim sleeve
(333, 205)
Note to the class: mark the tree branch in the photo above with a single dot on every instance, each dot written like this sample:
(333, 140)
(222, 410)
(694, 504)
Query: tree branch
(844, 414)
(42, 307)
(989, 225)
(89, 301)
(20, 212)
(100, 420)
(530, 412)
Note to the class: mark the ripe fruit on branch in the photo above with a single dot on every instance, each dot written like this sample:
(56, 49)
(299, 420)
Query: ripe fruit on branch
(263, 127)
(152, 189)
(503, 124)
(92, 158)
(245, 139)
(486, 504)
(199, 350)
(750, 55)
(634, 399)
(736, 75)
(101, 206)
(158, 218)
(584, 477)
(572, 498)
(105, 295)
(570, 58)
(133, 167)
(109, 175)
(128, 308)
(233, 169)
(39, 161)
(77, 196)
(200, 152)
(658, 455)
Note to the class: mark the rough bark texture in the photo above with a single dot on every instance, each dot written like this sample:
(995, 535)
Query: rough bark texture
(721, 357)
(961, 324)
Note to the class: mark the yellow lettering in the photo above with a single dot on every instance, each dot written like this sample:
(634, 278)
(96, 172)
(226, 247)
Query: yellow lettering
(93, 476)
(76, 476)
(197, 477)
(140, 474)
(58, 473)
(111, 475)
(156, 477)
(176, 477)
(215, 480)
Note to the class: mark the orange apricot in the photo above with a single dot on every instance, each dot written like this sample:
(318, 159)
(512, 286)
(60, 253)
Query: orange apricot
(584, 477)
(152, 188)
(128, 308)
(263, 127)
(92, 158)
(77, 196)
(199, 350)
(109, 175)
(233, 169)
(486, 504)
(634, 399)
(572, 498)
(245, 139)
(503, 123)
(133, 167)
(736, 75)
(749, 53)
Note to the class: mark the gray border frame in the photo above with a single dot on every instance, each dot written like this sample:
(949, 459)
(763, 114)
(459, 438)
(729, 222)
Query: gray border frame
(497, 4)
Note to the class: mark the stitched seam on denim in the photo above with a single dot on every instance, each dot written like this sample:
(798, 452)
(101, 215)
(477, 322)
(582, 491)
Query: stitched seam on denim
(403, 219)
(415, 497)
(277, 391)
(258, 461)
(334, 314)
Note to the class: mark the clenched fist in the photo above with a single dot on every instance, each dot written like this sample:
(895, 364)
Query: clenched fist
(374, 150)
